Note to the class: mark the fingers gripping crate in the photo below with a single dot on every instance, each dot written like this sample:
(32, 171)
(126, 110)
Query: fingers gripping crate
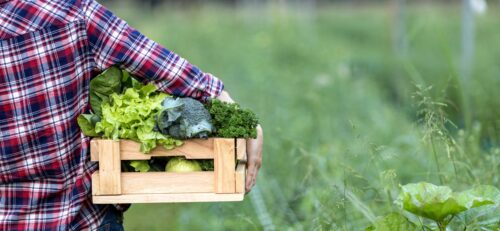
(225, 183)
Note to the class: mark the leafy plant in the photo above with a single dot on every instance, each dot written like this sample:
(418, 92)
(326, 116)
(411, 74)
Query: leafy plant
(132, 116)
(437, 203)
(87, 123)
(230, 120)
(102, 86)
(140, 165)
(393, 222)
(125, 109)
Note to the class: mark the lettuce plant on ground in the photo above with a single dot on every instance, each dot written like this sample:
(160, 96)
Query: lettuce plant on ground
(393, 222)
(437, 203)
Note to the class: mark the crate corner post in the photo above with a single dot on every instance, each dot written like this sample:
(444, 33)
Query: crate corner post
(109, 174)
(224, 165)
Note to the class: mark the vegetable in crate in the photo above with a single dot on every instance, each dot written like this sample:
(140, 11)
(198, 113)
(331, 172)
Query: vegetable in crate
(169, 164)
(181, 164)
(102, 86)
(125, 109)
(140, 165)
(231, 121)
(131, 115)
(184, 118)
(156, 164)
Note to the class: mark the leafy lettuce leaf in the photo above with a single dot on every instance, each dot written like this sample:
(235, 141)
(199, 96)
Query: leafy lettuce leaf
(140, 165)
(124, 108)
(131, 115)
(439, 202)
(87, 124)
(484, 217)
(486, 191)
(103, 85)
(393, 222)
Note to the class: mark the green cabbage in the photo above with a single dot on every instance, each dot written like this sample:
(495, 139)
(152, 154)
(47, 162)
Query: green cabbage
(181, 164)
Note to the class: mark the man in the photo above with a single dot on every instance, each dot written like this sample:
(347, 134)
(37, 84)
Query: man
(49, 50)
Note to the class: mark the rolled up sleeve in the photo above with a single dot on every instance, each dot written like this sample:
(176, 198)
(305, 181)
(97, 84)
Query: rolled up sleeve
(114, 42)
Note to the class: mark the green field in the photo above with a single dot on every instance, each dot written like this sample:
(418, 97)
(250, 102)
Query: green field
(345, 120)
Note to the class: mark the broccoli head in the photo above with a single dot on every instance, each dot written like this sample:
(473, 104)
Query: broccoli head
(184, 118)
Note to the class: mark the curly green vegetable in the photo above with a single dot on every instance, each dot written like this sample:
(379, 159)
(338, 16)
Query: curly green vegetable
(231, 121)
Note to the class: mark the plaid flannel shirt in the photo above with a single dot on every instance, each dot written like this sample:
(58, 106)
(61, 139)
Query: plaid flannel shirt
(49, 50)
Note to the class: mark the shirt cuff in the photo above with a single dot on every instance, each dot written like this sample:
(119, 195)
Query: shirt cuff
(211, 87)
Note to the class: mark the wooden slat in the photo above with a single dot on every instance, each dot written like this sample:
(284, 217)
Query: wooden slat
(241, 149)
(191, 149)
(163, 182)
(109, 167)
(240, 178)
(167, 198)
(95, 184)
(224, 165)
(94, 149)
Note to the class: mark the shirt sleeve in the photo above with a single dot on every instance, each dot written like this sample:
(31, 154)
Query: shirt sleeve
(114, 42)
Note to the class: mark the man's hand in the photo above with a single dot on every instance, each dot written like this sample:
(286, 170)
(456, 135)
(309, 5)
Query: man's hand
(254, 150)
(254, 158)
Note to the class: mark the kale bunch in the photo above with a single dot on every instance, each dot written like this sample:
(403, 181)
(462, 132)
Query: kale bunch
(231, 121)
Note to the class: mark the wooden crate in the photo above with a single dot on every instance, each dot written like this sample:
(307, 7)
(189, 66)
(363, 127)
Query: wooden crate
(225, 183)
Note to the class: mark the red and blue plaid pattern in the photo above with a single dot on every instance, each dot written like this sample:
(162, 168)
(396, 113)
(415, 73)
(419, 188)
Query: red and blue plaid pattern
(49, 50)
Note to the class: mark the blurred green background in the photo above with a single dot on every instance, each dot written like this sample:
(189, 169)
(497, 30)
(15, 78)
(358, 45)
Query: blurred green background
(354, 98)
